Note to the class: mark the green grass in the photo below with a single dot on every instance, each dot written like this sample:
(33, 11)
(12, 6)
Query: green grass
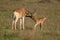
(10, 35)
(51, 27)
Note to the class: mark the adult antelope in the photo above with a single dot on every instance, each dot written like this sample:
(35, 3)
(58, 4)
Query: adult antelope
(19, 13)
(38, 20)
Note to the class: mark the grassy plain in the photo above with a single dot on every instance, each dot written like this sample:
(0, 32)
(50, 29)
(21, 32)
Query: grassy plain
(51, 27)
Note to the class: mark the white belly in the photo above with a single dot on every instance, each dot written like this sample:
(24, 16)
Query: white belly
(18, 15)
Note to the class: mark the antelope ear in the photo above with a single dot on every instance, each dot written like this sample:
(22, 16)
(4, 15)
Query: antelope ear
(46, 17)
(34, 14)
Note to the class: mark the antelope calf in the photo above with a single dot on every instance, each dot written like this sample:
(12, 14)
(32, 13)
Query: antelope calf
(38, 21)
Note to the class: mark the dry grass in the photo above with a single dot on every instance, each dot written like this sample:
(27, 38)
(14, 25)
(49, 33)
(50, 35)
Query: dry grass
(51, 28)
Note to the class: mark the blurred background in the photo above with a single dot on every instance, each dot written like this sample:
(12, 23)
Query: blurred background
(48, 8)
